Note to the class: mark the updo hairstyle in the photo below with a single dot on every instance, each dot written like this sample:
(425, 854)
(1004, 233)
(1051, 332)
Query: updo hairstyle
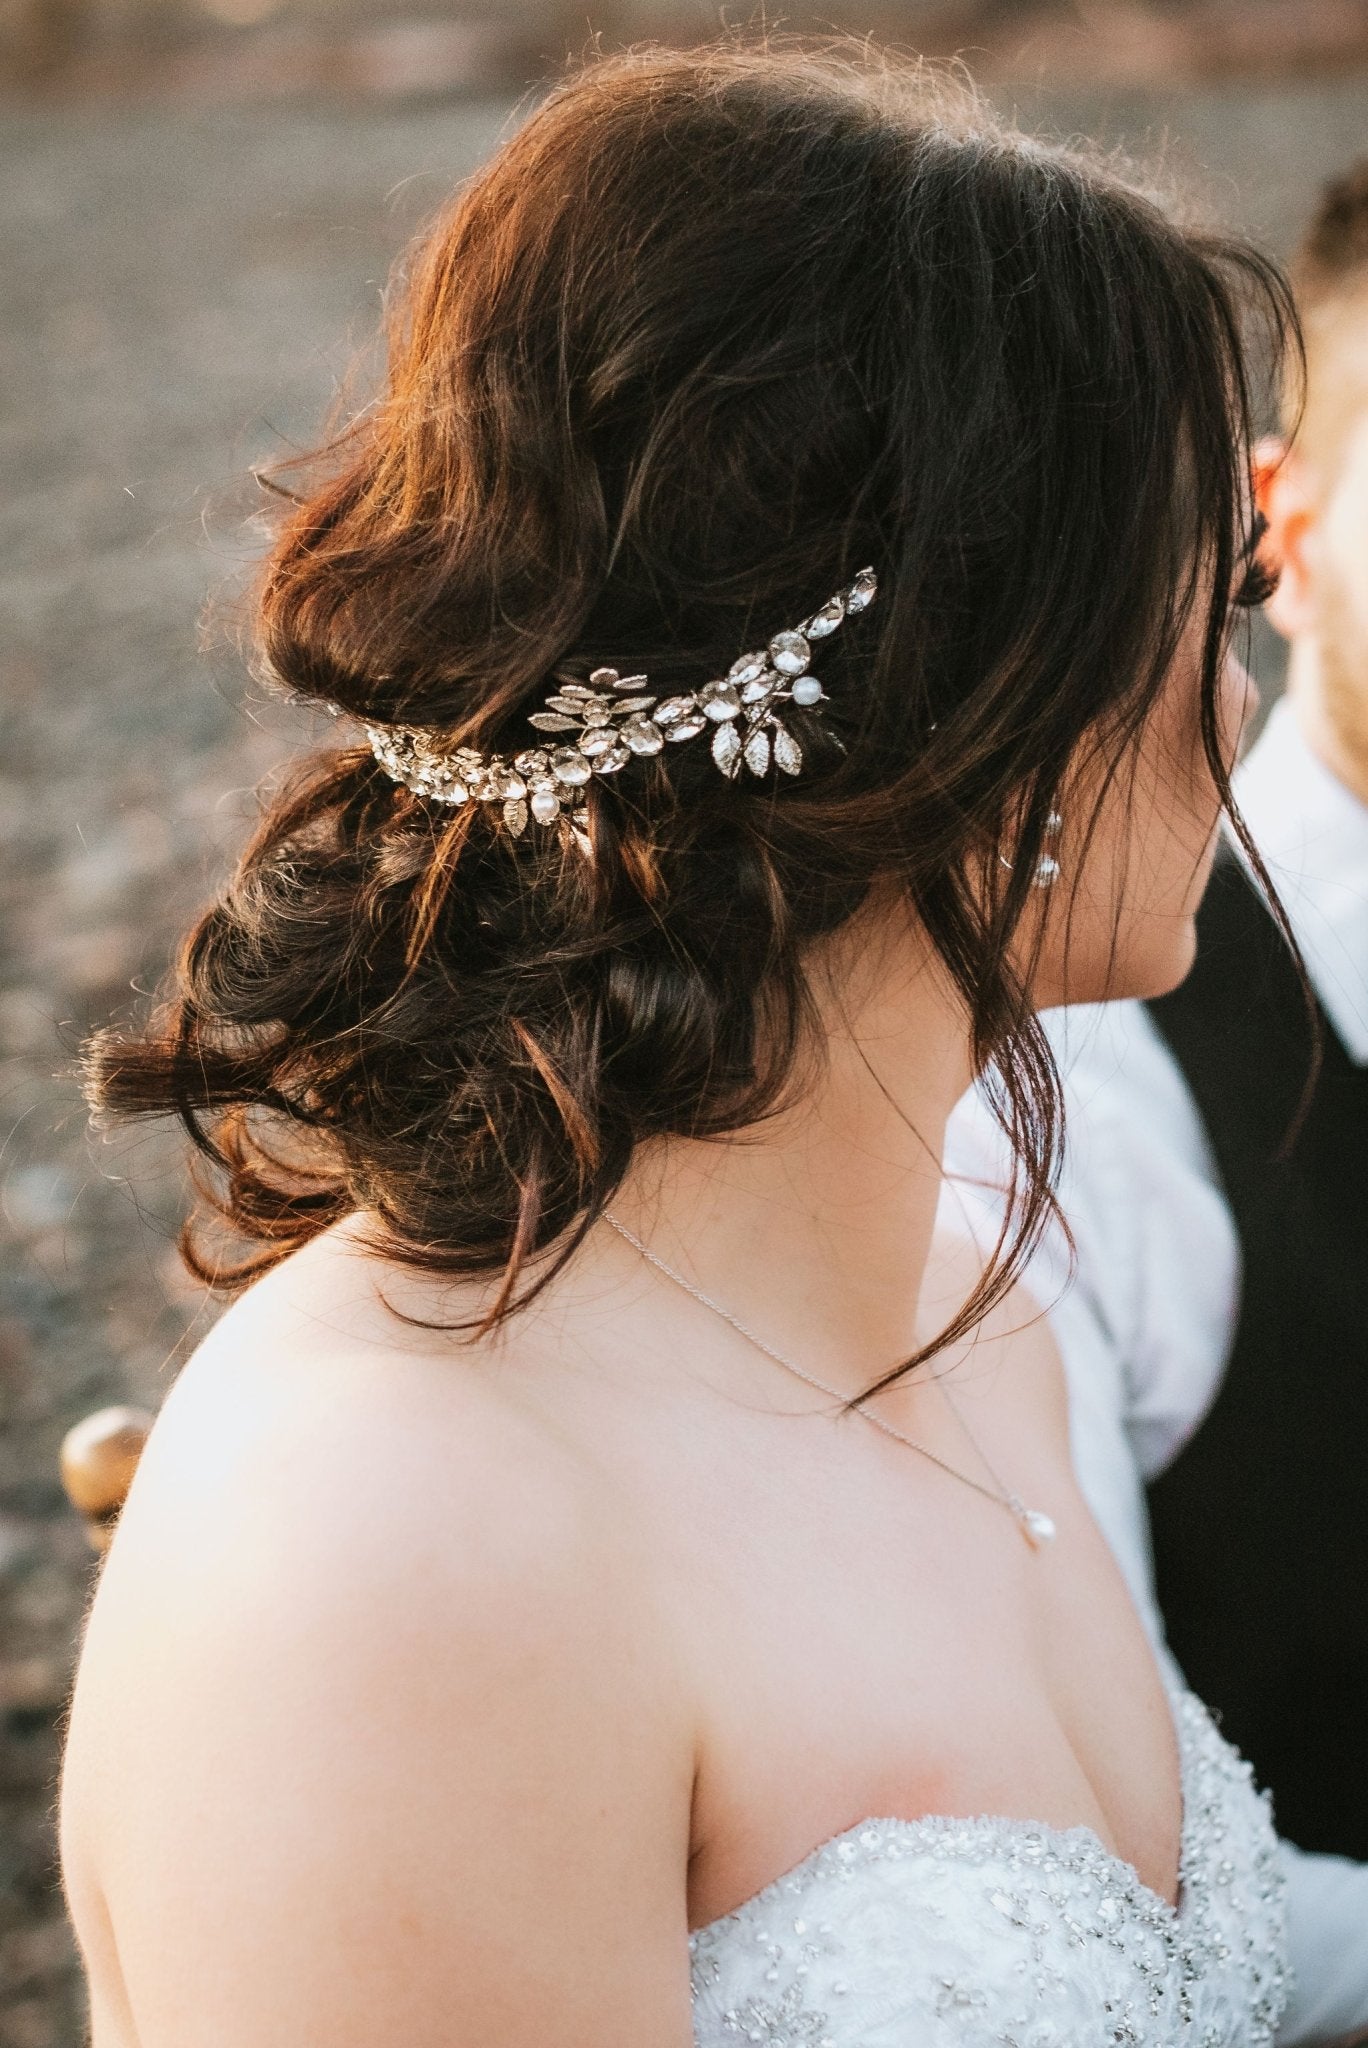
(707, 334)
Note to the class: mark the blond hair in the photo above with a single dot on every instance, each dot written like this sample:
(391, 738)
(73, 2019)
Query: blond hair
(1330, 278)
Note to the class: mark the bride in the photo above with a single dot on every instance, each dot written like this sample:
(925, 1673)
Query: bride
(616, 1575)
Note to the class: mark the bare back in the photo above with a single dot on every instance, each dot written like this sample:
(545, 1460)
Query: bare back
(598, 1635)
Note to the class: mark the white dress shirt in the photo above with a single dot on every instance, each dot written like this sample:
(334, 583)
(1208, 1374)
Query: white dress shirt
(1145, 1321)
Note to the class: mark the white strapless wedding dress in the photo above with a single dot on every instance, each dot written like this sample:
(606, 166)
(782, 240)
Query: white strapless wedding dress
(996, 1933)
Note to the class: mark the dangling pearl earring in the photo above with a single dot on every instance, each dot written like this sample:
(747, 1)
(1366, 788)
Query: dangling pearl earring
(1047, 868)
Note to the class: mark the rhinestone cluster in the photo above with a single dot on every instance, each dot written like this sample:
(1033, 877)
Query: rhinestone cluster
(603, 723)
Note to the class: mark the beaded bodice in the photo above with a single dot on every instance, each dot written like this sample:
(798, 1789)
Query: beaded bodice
(990, 1933)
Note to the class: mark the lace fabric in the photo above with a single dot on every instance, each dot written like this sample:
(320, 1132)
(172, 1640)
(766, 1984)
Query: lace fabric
(991, 1933)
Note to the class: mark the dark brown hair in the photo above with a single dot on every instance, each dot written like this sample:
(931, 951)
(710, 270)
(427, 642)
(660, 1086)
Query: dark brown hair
(708, 334)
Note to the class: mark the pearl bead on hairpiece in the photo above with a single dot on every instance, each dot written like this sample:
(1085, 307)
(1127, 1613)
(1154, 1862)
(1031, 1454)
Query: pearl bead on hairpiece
(611, 720)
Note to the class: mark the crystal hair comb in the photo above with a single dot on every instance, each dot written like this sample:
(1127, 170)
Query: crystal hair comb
(611, 720)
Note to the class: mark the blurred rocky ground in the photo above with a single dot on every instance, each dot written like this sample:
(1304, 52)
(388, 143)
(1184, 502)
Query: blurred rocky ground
(219, 48)
(184, 283)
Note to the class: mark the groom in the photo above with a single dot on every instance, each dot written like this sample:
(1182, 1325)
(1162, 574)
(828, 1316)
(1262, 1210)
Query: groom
(1260, 1524)
(1215, 1333)
(1244, 1265)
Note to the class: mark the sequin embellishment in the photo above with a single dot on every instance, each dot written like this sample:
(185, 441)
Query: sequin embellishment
(998, 1934)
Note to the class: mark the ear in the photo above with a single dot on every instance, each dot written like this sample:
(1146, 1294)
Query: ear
(1283, 493)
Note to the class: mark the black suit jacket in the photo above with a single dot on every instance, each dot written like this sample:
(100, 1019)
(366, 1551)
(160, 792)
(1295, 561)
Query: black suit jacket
(1261, 1523)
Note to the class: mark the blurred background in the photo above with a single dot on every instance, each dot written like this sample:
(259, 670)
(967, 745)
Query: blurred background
(199, 202)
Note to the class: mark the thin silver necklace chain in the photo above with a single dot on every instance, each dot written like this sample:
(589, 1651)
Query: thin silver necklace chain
(1038, 1528)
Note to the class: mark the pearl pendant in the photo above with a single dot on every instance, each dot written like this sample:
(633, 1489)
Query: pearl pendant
(1038, 1528)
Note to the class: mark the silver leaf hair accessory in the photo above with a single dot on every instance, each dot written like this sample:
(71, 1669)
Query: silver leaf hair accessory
(605, 722)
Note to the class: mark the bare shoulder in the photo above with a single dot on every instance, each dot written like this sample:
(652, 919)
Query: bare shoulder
(373, 1650)
(310, 1399)
(317, 1450)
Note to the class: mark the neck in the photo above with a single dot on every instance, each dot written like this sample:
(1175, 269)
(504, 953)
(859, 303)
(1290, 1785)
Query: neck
(1313, 702)
(815, 1227)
